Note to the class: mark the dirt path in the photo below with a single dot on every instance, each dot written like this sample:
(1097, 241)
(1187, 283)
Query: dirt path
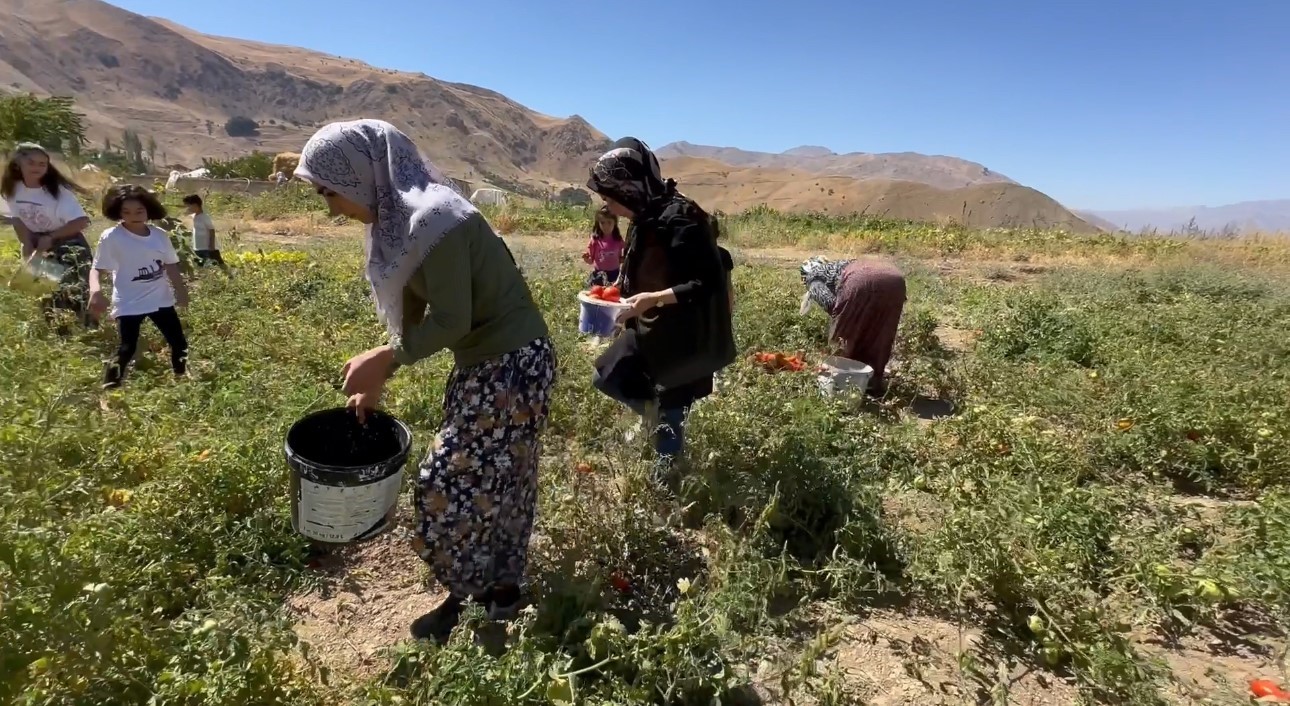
(366, 597)
(553, 248)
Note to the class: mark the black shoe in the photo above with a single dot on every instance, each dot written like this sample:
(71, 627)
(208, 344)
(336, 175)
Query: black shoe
(437, 625)
(112, 376)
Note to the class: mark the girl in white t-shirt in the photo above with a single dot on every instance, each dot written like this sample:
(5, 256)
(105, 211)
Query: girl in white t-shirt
(50, 222)
(146, 282)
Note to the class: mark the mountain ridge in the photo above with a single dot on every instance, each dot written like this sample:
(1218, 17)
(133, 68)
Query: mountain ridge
(1267, 216)
(934, 170)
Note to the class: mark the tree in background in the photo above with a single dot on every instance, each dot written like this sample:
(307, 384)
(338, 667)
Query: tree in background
(573, 196)
(256, 165)
(52, 123)
(132, 146)
(241, 126)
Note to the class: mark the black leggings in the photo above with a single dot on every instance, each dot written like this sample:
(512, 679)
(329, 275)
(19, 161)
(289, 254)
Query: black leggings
(167, 322)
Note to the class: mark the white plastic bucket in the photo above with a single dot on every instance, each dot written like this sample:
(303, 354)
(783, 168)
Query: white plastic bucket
(839, 376)
(345, 477)
(597, 318)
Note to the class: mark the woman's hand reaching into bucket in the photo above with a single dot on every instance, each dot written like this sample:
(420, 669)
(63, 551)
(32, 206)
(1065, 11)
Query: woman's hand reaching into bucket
(363, 402)
(365, 376)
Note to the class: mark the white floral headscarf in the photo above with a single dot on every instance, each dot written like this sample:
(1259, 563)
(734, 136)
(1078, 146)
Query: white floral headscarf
(373, 163)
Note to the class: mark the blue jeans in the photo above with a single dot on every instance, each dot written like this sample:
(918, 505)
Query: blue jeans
(669, 437)
(669, 434)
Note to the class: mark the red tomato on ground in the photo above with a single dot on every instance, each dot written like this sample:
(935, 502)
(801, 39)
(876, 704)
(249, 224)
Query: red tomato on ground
(1264, 688)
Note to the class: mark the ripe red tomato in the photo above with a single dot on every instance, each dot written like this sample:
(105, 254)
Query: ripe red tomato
(620, 582)
(611, 294)
(597, 291)
(1262, 688)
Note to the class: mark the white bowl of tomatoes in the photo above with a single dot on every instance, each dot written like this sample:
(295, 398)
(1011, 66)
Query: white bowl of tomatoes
(598, 310)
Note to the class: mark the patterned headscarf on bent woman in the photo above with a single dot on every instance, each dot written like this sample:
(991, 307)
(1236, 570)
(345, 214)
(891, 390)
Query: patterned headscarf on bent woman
(629, 174)
(822, 278)
(373, 163)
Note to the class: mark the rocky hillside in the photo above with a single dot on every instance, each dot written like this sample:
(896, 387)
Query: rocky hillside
(933, 170)
(721, 186)
(181, 87)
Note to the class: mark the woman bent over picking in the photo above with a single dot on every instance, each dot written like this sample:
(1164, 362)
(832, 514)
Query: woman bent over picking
(443, 279)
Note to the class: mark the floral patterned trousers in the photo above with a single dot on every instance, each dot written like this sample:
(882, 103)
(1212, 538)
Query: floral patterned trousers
(476, 493)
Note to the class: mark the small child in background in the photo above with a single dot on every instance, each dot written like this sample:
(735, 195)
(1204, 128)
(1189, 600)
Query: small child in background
(146, 282)
(203, 234)
(604, 250)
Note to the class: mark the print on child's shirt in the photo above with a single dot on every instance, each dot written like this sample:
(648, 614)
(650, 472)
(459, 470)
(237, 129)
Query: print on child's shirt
(150, 274)
(32, 215)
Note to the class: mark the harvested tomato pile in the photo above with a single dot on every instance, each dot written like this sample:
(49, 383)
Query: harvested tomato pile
(775, 362)
(605, 294)
(1268, 692)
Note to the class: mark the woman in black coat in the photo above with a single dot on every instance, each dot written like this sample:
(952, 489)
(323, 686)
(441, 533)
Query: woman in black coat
(678, 327)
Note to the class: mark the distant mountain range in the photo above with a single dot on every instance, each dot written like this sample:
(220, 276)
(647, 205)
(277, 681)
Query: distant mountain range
(932, 170)
(902, 186)
(1247, 216)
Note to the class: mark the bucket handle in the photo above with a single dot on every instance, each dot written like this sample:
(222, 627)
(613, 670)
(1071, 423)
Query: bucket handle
(309, 407)
(25, 267)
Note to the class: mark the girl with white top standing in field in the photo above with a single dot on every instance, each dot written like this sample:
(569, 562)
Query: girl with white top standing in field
(50, 223)
(146, 282)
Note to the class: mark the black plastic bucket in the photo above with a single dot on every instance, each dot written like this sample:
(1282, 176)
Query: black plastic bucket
(346, 476)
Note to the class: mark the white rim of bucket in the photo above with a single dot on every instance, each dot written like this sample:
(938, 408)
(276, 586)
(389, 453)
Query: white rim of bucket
(585, 299)
(845, 365)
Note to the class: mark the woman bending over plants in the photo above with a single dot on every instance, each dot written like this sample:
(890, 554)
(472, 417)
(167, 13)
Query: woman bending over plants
(864, 300)
(442, 279)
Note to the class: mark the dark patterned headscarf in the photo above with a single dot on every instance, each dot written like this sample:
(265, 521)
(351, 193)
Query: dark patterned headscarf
(629, 174)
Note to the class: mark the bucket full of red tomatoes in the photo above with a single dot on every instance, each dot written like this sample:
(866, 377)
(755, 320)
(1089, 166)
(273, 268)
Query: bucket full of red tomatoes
(598, 310)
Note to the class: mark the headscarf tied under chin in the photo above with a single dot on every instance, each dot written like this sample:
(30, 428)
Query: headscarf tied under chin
(372, 163)
(629, 174)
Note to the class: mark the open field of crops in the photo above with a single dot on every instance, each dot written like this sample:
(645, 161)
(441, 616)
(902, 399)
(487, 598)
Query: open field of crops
(1078, 490)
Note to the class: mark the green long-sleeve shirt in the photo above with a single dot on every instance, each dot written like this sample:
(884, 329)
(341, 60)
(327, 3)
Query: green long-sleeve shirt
(468, 296)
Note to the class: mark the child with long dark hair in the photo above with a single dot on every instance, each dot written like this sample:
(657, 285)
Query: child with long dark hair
(146, 282)
(50, 223)
(605, 249)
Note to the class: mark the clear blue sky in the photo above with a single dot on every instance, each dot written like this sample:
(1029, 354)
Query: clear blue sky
(1101, 104)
